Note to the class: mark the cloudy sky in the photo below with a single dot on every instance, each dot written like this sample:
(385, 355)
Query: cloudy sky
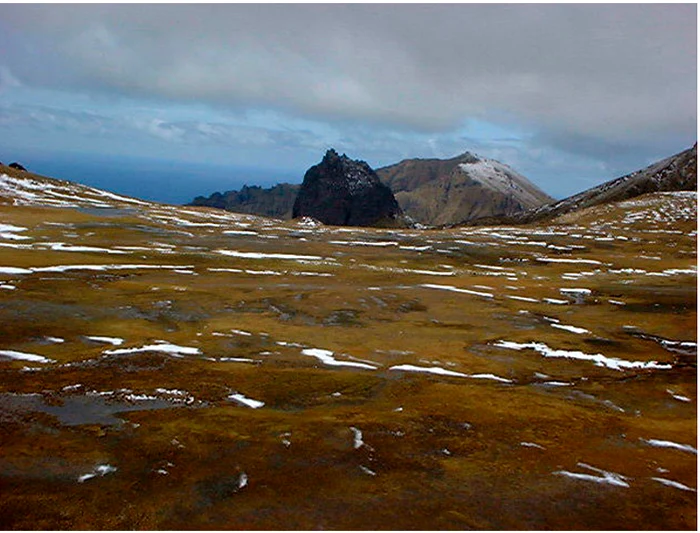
(569, 95)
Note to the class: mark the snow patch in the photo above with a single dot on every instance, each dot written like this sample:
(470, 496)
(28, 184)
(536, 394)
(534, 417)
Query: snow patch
(598, 359)
(22, 356)
(248, 402)
(99, 470)
(456, 289)
(670, 444)
(162, 346)
(674, 484)
(609, 478)
(326, 357)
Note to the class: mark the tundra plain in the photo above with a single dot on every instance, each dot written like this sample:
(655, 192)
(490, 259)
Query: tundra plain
(168, 367)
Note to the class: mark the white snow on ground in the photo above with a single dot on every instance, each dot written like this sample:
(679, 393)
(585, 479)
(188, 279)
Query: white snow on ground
(238, 360)
(309, 222)
(163, 346)
(239, 232)
(16, 246)
(22, 356)
(27, 191)
(670, 444)
(429, 370)
(490, 267)
(575, 291)
(11, 228)
(564, 260)
(326, 357)
(172, 392)
(357, 441)
(532, 445)
(455, 289)
(114, 341)
(522, 298)
(99, 470)
(55, 340)
(572, 329)
(555, 301)
(428, 272)
(365, 243)
(259, 255)
(678, 397)
(599, 359)
(490, 376)
(14, 270)
(673, 484)
(439, 371)
(99, 268)
(9, 232)
(248, 402)
(113, 196)
(609, 478)
(500, 178)
(416, 248)
(63, 247)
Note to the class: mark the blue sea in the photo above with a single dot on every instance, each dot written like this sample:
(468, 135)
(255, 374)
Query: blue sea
(170, 182)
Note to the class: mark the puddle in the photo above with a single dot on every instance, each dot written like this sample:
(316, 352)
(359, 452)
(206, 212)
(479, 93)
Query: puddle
(77, 410)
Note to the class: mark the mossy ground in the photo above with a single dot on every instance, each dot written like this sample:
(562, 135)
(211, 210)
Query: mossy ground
(436, 451)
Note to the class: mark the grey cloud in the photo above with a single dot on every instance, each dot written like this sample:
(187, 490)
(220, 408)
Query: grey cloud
(615, 72)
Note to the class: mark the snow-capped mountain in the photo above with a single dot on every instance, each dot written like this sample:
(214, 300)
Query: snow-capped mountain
(466, 187)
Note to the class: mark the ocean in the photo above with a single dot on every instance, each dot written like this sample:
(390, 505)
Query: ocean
(172, 182)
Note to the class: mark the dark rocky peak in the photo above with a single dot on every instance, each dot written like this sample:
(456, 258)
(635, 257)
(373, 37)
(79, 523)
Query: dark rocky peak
(345, 192)
(467, 157)
(17, 166)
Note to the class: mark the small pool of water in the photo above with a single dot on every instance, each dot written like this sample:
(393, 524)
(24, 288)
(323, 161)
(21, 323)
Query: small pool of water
(76, 410)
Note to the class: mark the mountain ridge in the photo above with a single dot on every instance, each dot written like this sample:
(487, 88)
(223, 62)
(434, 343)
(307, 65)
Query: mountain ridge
(675, 173)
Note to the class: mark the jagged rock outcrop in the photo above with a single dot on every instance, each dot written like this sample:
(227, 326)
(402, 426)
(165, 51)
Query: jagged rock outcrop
(446, 191)
(343, 192)
(17, 166)
(274, 202)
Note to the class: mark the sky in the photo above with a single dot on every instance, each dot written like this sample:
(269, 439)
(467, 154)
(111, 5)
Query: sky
(165, 101)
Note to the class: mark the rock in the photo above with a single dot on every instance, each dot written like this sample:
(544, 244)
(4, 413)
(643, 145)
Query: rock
(17, 166)
(275, 202)
(344, 192)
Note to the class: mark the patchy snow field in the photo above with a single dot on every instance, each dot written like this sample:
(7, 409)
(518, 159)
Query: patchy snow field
(167, 367)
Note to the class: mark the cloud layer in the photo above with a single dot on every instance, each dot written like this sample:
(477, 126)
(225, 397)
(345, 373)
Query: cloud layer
(584, 79)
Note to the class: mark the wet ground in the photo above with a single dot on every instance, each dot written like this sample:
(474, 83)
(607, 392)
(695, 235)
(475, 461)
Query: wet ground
(221, 371)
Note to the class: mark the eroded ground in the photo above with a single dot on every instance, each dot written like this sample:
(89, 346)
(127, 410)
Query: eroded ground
(185, 368)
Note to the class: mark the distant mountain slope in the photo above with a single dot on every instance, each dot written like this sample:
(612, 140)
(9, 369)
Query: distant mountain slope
(675, 173)
(274, 202)
(19, 187)
(446, 191)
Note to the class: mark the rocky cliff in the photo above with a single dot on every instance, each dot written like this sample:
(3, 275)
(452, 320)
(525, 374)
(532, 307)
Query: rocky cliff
(274, 202)
(344, 192)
